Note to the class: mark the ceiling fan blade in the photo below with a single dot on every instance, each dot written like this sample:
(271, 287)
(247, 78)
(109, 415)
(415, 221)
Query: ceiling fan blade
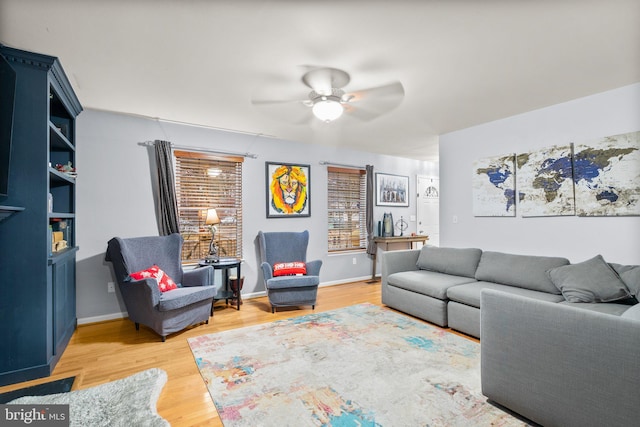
(394, 89)
(322, 80)
(276, 101)
(289, 111)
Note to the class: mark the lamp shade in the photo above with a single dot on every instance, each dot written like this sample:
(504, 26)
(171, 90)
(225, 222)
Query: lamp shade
(212, 217)
(327, 110)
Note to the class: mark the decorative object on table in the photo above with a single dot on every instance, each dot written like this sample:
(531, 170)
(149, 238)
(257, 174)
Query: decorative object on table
(288, 190)
(371, 366)
(494, 186)
(236, 288)
(288, 247)
(392, 190)
(402, 225)
(130, 401)
(545, 182)
(607, 176)
(212, 220)
(387, 225)
(67, 169)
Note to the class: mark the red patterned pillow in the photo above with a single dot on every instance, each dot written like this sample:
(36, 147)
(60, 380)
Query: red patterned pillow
(165, 283)
(296, 268)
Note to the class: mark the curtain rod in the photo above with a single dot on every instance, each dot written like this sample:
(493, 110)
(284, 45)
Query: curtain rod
(324, 162)
(202, 150)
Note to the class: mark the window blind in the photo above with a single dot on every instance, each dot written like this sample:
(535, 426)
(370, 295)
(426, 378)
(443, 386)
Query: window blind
(346, 209)
(205, 181)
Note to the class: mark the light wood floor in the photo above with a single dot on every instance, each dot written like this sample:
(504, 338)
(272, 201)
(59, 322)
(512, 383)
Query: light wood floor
(107, 351)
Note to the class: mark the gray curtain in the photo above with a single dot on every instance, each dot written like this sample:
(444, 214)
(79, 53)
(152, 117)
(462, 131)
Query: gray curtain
(167, 206)
(371, 245)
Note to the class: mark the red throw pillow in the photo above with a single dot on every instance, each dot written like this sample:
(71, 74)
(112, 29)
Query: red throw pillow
(165, 283)
(296, 268)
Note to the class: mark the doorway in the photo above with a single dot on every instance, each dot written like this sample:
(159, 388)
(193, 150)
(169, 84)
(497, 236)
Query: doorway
(428, 208)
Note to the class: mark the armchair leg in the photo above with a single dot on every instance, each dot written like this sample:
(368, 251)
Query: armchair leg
(137, 326)
(273, 309)
(206, 322)
(313, 307)
(164, 338)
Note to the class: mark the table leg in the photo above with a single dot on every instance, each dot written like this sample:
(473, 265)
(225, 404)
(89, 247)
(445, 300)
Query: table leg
(373, 269)
(238, 287)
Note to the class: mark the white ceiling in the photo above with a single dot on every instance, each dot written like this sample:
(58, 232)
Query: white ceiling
(461, 62)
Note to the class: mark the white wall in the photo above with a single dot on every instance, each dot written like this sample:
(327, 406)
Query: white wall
(114, 197)
(577, 238)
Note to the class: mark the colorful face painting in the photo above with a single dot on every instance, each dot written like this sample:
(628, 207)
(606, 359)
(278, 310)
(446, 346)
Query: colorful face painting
(288, 190)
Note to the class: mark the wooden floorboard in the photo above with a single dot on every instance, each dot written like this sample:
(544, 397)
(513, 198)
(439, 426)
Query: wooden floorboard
(107, 351)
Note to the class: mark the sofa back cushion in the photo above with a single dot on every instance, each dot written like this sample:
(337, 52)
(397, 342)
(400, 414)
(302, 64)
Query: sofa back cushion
(455, 261)
(523, 271)
(630, 275)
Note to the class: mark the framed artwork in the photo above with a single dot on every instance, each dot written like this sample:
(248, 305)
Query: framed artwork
(544, 179)
(494, 186)
(606, 176)
(288, 190)
(392, 190)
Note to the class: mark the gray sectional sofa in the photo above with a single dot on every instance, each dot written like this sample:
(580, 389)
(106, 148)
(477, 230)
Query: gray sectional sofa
(560, 342)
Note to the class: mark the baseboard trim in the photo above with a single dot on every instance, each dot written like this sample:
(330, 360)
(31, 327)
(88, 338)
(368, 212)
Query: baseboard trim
(103, 318)
(114, 316)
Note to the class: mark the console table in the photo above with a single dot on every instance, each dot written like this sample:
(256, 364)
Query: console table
(406, 242)
(224, 264)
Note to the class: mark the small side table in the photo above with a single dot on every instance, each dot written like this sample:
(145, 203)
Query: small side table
(224, 264)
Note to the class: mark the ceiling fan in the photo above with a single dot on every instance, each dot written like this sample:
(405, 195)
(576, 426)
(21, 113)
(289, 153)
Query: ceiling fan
(327, 99)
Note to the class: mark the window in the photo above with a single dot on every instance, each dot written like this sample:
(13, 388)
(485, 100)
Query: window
(347, 205)
(205, 181)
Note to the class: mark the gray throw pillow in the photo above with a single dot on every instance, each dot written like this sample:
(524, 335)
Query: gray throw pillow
(630, 275)
(590, 281)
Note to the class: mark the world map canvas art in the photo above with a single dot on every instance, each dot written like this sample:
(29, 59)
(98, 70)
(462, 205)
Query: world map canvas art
(545, 182)
(494, 186)
(607, 176)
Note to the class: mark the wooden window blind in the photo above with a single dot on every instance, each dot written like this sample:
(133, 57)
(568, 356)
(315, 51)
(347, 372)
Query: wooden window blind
(205, 181)
(347, 205)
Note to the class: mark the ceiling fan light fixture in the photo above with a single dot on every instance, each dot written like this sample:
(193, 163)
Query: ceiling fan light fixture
(327, 109)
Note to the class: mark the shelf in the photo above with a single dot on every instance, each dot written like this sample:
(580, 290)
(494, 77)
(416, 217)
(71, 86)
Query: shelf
(57, 256)
(60, 178)
(61, 215)
(7, 211)
(57, 141)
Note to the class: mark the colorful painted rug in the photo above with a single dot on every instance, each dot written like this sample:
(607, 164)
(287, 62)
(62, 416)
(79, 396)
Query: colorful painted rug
(362, 365)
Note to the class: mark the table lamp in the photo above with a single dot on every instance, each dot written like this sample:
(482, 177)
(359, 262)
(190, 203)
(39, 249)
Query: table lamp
(212, 220)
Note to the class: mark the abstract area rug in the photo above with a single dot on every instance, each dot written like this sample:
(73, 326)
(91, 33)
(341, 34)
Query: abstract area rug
(362, 365)
(130, 401)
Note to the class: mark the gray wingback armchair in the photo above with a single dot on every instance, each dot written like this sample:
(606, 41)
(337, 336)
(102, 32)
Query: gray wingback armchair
(164, 312)
(284, 291)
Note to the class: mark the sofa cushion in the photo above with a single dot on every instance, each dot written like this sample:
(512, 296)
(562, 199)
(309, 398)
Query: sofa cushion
(283, 282)
(605, 307)
(455, 261)
(469, 293)
(590, 281)
(633, 313)
(425, 282)
(183, 297)
(523, 271)
(630, 275)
